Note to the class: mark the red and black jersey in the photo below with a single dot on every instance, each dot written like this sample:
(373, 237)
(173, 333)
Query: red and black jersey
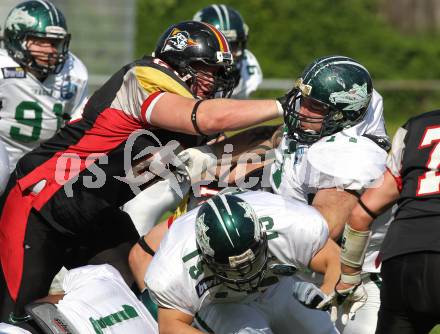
(84, 163)
(415, 164)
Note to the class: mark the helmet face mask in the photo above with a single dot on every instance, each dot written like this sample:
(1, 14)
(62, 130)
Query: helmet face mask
(247, 275)
(337, 89)
(193, 49)
(231, 242)
(36, 22)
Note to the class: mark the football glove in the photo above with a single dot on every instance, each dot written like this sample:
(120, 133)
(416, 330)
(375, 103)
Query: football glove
(349, 300)
(308, 294)
(197, 160)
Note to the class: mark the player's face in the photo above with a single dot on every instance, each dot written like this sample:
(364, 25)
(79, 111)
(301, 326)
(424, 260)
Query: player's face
(312, 113)
(44, 50)
(205, 82)
(235, 50)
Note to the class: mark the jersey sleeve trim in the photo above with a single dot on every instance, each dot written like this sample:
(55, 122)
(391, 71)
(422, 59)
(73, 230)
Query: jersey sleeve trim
(397, 179)
(148, 106)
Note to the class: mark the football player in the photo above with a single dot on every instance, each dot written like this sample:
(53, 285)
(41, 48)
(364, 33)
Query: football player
(95, 299)
(410, 250)
(229, 265)
(41, 83)
(246, 69)
(70, 188)
(147, 208)
(326, 159)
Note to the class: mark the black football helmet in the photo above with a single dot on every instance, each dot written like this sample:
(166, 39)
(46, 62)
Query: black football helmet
(338, 86)
(232, 242)
(187, 45)
(38, 19)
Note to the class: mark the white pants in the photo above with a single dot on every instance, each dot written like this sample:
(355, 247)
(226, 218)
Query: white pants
(365, 319)
(152, 203)
(274, 311)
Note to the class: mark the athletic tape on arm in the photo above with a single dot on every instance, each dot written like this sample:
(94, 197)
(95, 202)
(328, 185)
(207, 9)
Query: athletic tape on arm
(353, 247)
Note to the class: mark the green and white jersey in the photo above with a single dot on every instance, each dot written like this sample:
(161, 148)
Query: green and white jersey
(251, 76)
(98, 301)
(177, 279)
(344, 160)
(32, 111)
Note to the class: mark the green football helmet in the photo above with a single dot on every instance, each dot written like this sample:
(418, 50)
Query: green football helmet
(231, 242)
(37, 19)
(339, 87)
(232, 25)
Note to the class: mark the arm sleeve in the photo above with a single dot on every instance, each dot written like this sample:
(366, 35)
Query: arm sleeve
(394, 161)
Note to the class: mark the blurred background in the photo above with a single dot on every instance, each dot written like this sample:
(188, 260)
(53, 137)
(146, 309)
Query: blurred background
(397, 40)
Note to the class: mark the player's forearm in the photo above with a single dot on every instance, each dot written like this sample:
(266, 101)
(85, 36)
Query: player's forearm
(256, 141)
(227, 115)
(326, 262)
(331, 275)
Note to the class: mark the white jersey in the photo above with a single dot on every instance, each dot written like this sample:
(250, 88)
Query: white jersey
(251, 76)
(32, 111)
(97, 300)
(10, 329)
(293, 175)
(177, 279)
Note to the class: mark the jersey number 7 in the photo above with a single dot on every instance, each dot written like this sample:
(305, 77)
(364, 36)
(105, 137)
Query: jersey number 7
(429, 182)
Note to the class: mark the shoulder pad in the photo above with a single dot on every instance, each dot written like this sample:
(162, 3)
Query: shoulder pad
(76, 68)
(348, 159)
(9, 67)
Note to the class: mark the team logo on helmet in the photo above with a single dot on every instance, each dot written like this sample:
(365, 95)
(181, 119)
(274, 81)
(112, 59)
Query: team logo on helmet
(19, 16)
(250, 213)
(178, 40)
(202, 237)
(356, 98)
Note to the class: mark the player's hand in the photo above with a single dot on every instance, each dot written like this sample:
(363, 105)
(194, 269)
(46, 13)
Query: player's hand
(197, 160)
(308, 294)
(349, 299)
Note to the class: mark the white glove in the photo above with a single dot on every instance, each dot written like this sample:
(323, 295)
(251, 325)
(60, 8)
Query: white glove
(308, 294)
(198, 160)
(350, 300)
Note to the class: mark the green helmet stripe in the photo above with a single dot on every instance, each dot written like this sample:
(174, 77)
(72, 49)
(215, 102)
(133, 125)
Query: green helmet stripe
(351, 63)
(228, 208)
(220, 16)
(226, 12)
(46, 5)
(220, 219)
(337, 62)
(325, 59)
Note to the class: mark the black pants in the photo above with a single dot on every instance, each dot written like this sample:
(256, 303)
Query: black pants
(410, 294)
(109, 240)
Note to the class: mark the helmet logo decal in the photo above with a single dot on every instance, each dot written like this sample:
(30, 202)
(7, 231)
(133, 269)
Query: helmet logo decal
(178, 40)
(250, 213)
(202, 237)
(19, 16)
(356, 98)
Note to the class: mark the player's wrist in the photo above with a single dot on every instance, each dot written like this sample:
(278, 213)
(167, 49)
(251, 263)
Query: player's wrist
(351, 279)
